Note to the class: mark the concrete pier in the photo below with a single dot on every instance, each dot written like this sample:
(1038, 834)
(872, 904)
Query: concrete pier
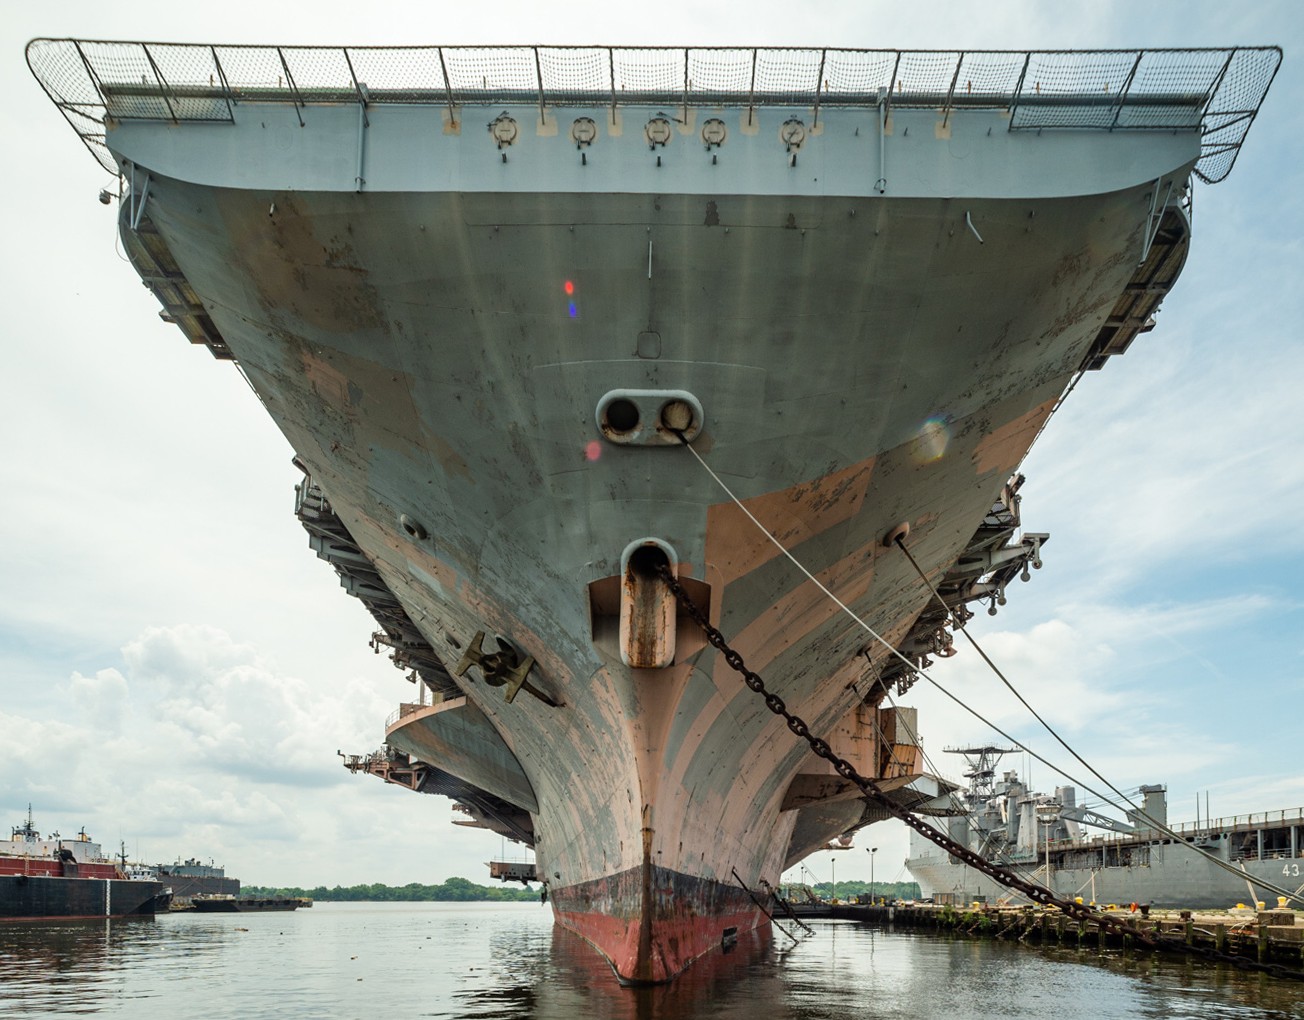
(1265, 936)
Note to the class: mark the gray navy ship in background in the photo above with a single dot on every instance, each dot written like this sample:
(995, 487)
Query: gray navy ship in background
(1078, 851)
(501, 301)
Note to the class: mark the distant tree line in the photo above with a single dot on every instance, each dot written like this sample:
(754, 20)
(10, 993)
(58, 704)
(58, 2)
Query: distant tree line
(852, 888)
(461, 890)
(455, 890)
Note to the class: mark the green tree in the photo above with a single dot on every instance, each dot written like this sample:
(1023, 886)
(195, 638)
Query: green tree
(455, 890)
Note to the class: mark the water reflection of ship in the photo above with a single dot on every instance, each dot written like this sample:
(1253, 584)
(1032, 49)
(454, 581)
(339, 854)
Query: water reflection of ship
(67, 957)
(585, 987)
(557, 974)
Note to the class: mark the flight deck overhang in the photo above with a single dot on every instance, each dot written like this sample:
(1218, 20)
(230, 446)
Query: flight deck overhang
(412, 149)
(457, 737)
(664, 105)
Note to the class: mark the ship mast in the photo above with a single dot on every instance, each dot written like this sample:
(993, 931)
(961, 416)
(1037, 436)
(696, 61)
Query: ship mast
(28, 829)
(981, 772)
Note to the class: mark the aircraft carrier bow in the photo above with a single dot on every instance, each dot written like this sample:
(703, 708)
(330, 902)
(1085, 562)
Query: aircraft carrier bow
(490, 294)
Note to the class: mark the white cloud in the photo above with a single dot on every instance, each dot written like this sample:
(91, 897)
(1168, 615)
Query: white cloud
(196, 747)
(226, 709)
(185, 656)
(1166, 461)
(1113, 681)
(101, 700)
(1076, 668)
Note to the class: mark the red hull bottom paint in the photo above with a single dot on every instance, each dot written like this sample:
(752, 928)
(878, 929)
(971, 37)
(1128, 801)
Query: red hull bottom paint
(651, 923)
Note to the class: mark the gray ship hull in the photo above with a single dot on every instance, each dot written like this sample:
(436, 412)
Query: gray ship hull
(868, 316)
(1174, 877)
(455, 402)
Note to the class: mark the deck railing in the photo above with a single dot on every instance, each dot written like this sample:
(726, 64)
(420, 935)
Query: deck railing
(404, 710)
(1218, 91)
(1194, 830)
(1255, 820)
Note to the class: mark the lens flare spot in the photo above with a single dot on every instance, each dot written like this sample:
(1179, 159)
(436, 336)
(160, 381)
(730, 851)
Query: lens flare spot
(593, 450)
(572, 309)
(568, 287)
(931, 440)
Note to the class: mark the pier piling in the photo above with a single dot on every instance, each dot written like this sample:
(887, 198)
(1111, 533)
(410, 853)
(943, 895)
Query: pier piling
(1269, 938)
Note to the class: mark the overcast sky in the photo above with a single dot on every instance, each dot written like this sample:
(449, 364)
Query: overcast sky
(177, 669)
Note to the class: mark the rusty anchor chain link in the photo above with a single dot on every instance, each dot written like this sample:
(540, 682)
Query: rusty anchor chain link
(1005, 876)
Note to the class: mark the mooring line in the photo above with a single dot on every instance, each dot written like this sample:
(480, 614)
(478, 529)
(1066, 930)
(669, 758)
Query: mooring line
(761, 905)
(919, 670)
(1266, 884)
(958, 624)
(870, 788)
(1152, 939)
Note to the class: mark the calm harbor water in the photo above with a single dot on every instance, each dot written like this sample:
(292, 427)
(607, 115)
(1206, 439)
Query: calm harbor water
(504, 961)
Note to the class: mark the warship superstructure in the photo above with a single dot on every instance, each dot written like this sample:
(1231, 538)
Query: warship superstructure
(1078, 850)
(490, 296)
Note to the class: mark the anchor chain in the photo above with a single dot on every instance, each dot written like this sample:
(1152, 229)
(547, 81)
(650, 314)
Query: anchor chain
(1005, 876)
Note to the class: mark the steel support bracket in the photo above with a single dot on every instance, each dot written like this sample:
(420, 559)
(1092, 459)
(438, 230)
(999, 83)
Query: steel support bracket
(1156, 216)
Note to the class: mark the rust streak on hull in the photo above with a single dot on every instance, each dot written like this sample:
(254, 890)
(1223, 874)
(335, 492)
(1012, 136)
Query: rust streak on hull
(651, 923)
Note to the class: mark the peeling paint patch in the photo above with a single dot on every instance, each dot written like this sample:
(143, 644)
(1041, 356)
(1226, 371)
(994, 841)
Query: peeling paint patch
(1005, 446)
(651, 922)
(451, 461)
(295, 270)
(330, 384)
(791, 618)
(792, 515)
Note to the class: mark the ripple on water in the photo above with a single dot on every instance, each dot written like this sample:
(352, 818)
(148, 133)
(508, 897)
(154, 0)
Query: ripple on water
(507, 961)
